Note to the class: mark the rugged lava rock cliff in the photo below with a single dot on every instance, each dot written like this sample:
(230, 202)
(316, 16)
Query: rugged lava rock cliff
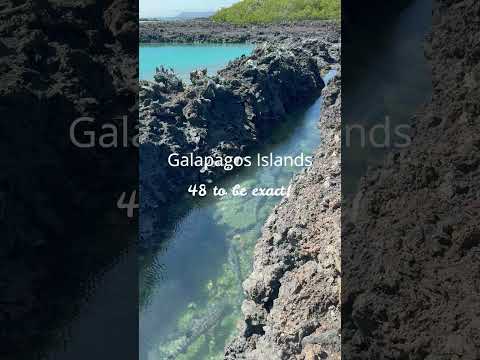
(227, 114)
(292, 310)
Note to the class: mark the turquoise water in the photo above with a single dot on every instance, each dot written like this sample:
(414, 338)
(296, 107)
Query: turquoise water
(191, 290)
(186, 58)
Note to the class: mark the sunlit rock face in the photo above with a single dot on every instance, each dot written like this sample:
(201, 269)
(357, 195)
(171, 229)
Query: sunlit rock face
(292, 307)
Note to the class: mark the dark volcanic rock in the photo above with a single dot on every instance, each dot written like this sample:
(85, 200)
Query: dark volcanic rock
(207, 31)
(410, 240)
(60, 60)
(292, 310)
(223, 115)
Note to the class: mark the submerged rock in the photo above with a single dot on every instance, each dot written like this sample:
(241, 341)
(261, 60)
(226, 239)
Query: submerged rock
(179, 344)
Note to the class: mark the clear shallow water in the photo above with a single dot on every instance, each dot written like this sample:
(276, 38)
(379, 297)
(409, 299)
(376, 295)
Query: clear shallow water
(186, 58)
(190, 292)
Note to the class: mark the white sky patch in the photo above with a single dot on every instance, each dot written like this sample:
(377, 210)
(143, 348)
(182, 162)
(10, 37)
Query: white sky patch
(165, 8)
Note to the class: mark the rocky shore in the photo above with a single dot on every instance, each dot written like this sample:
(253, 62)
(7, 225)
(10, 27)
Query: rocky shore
(207, 31)
(292, 309)
(409, 239)
(224, 115)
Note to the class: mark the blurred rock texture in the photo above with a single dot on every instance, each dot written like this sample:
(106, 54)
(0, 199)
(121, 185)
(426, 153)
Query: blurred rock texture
(60, 60)
(411, 237)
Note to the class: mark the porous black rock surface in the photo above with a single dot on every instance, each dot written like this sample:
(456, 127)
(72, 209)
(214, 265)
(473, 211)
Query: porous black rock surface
(59, 61)
(208, 31)
(411, 237)
(292, 306)
(227, 114)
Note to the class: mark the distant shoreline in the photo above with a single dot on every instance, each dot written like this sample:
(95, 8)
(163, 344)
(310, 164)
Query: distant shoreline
(207, 31)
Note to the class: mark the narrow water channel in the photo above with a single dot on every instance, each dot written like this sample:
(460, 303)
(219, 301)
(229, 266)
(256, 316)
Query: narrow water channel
(190, 292)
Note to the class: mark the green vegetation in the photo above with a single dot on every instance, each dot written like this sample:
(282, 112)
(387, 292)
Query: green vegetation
(268, 11)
